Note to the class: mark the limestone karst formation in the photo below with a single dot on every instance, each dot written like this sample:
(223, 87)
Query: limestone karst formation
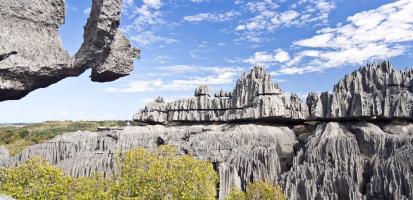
(255, 97)
(31, 51)
(375, 91)
(354, 143)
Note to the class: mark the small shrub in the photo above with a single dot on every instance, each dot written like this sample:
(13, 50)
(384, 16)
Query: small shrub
(257, 191)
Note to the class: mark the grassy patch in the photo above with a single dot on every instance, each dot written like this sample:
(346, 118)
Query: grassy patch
(17, 138)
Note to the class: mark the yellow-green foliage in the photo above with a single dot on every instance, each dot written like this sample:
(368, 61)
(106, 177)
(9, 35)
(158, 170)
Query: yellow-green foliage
(164, 175)
(96, 187)
(16, 138)
(145, 175)
(257, 191)
(36, 179)
(236, 194)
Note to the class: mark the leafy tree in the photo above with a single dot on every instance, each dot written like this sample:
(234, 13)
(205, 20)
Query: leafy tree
(35, 179)
(96, 187)
(163, 174)
(236, 194)
(257, 191)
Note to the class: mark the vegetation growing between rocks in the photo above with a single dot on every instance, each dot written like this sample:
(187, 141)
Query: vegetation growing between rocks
(16, 138)
(161, 174)
(257, 191)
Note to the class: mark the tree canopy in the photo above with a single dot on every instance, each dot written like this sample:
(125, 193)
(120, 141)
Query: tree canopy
(161, 174)
(258, 190)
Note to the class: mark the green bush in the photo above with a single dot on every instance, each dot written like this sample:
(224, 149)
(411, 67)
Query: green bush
(257, 191)
(165, 175)
(35, 179)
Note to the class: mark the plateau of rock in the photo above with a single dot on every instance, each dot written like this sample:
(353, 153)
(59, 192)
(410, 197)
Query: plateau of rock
(31, 51)
(354, 143)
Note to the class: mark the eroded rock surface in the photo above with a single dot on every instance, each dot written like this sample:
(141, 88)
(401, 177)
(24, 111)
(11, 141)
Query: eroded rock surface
(31, 51)
(239, 152)
(375, 91)
(328, 161)
(350, 153)
(255, 97)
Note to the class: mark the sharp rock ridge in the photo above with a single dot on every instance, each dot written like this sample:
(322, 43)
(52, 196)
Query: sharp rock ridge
(375, 91)
(255, 97)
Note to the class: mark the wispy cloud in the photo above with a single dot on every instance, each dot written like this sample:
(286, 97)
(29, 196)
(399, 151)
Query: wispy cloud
(267, 16)
(216, 76)
(147, 38)
(376, 34)
(199, 1)
(86, 11)
(163, 59)
(200, 51)
(145, 20)
(264, 58)
(212, 17)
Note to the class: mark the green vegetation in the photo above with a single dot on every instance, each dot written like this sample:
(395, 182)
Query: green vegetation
(17, 138)
(145, 175)
(257, 191)
(164, 175)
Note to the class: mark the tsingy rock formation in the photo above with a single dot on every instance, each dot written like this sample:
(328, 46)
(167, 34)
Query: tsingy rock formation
(239, 152)
(255, 97)
(375, 91)
(32, 55)
(331, 159)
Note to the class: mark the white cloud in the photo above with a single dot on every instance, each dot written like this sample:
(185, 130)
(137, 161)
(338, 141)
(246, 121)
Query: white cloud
(200, 51)
(145, 18)
(211, 17)
(155, 4)
(267, 17)
(127, 3)
(198, 1)
(163, 59)
(86, 11)
(376, 34)
(217, 76)
(265, 58)
(148, 38)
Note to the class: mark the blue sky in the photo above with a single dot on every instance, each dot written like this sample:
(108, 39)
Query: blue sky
(307, 45)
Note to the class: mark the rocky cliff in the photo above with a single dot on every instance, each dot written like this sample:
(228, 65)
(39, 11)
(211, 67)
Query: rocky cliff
(375, 91)
(31, 51)
(349, 156)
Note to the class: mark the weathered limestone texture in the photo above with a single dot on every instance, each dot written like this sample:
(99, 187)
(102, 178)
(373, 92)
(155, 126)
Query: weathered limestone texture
(350, 153)
(239, 152)
(4, 153)
(375, 91)
(31, 51)
(255, 97)
(352, 161)
(333, 160)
